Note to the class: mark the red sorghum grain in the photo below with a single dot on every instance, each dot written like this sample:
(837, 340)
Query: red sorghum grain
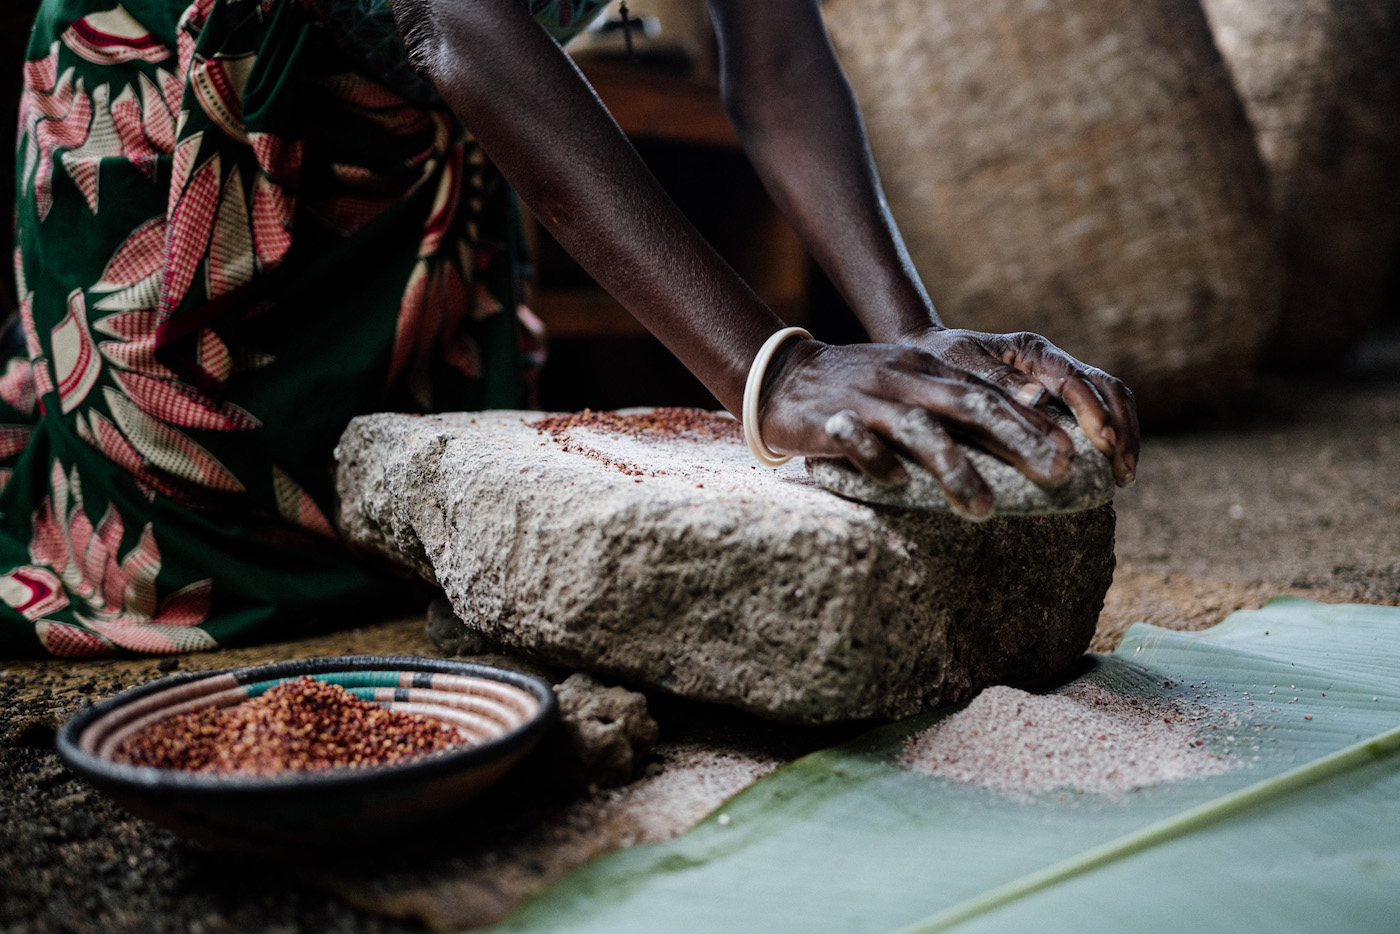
(298, 726)
(664, 424)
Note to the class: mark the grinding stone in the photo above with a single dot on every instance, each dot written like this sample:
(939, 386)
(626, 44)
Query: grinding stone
(679, 564)
(1090, 481)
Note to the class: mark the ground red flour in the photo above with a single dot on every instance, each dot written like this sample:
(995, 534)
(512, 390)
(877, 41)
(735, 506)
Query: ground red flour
(298, 726)
(658, 424)
(664, 424)
(1082, 738)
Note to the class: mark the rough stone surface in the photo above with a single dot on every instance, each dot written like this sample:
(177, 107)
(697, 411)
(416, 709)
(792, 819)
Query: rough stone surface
(1090, 482)
(1320, 80)
(451, 635)
(680, 564)
(1083, 169)
(605, 731)
(609, 730)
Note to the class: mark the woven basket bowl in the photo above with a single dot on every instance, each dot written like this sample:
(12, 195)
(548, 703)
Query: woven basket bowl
(501, 714)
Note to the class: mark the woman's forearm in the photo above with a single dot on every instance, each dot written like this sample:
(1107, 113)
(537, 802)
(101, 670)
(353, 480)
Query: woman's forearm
(539, 121)
(545, 129)
(799, 123)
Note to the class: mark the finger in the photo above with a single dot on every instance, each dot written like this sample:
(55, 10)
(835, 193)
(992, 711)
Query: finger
(920, 433)
(1021, 386)
(1074, 383)
(1040, 421)
(1122, 418)
(1028, 395)
(863, 448)
(1030, 442)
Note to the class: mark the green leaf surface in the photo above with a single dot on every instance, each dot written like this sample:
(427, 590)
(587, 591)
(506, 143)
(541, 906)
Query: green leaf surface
(847, 840)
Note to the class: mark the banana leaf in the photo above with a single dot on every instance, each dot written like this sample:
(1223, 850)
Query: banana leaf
(1303, 835)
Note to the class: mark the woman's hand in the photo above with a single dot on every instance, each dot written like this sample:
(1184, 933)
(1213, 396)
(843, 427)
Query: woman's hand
(1033, 370)
(864, 402)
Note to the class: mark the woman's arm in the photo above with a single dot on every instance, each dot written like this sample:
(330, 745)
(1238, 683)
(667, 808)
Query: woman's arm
(539, 121)
(801, 127)
(544, 128)
(798, 121)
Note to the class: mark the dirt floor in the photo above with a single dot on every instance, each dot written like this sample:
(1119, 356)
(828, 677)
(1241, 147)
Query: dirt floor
(1295, 490)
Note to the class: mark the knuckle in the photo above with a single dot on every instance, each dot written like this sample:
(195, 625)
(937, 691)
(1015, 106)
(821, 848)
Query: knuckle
(909, 358)
(1117, 385)
(888, 381)
(977, 404)
(843, 421)
(921, 421)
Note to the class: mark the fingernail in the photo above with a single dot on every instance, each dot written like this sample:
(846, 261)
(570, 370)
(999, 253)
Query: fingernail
(977, 508)
(982, 505)
(1032, 395)
(897, 477)
(1059, 468)
(1129, 476)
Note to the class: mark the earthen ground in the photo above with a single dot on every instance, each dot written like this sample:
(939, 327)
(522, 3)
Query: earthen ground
(1293, 491)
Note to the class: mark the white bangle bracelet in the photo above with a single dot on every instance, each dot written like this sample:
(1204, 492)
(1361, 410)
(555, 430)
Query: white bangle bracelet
(761, 452)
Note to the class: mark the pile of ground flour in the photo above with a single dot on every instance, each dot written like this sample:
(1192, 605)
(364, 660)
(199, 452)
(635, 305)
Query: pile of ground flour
(1081, 738)
(695, 782)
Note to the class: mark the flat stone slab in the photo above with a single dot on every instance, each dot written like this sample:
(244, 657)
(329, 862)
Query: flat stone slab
(1090, 481)
(651, 548)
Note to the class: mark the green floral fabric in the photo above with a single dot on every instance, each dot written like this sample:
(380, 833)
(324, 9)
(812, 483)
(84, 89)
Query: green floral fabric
(236, 231)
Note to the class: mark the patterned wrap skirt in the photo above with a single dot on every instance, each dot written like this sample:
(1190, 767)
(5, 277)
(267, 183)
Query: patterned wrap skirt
(240, 224)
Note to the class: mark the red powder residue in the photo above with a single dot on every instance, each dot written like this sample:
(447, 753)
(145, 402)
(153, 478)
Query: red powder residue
(299, 726)
(665, 424)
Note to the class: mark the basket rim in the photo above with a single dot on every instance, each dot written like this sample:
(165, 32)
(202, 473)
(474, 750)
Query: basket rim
(149, 779)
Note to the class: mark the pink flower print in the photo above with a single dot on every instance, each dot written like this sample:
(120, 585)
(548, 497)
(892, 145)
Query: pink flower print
(17, 386)
(231, 263)
(152, 401)
(167, 449)
(177, 404)
(273, 207)
(297, 506)
(33, 591)
(133, 273)
(146, 127)
(187, 234)
(279, 158)
(218, 87)
(84, 163)
(75, 358)
(113, 595)
(52, 121)
(41, 74)
(112, 37)
(64, 640)
(13, 439)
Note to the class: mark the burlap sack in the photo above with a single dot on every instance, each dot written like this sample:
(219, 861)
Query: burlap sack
(1321, 85)
(1080, 168)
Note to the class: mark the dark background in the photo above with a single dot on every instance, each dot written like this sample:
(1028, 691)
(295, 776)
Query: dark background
(15, 18)
(599, 373)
